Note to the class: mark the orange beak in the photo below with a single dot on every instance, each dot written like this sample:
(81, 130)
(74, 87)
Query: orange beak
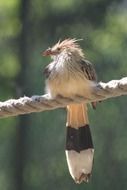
(47, 52)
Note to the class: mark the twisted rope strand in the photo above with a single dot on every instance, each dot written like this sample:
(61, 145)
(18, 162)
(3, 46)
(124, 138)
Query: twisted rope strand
(25, 105)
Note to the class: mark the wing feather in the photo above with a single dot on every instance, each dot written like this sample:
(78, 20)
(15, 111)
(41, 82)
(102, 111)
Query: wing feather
(90, 74)
(88, 70)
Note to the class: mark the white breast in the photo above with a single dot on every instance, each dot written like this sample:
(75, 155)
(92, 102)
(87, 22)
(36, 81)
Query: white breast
(69, 86)
(67, 79)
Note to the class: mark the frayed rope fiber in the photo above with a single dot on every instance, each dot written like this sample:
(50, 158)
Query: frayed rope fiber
(25, 105)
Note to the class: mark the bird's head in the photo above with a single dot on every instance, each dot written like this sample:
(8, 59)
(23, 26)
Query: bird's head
(67, 46)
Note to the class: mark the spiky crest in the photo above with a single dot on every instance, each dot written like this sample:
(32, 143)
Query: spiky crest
(69, 43)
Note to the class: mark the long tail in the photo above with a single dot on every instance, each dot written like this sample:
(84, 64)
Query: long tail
(79, 145)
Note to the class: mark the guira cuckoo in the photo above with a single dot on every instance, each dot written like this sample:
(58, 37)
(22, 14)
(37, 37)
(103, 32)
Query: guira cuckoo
(69, 74)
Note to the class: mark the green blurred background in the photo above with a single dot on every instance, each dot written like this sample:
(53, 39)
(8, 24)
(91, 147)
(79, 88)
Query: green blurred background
(32, 146)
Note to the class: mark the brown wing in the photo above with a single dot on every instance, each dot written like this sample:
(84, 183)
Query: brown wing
(88, 70)
(90, 73)
(46, 71)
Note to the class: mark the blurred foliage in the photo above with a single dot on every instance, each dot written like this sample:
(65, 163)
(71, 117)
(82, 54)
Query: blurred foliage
(32, 147)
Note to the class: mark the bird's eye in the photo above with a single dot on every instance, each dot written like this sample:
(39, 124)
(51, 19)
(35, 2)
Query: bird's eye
(58, 49)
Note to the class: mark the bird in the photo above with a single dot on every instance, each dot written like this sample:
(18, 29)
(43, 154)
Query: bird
(69, 74)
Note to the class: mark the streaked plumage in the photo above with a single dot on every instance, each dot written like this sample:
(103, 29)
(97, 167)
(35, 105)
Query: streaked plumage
(69, 74)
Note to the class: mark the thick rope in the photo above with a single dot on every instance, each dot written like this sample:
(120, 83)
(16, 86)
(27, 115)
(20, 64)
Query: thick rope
(25, 105)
